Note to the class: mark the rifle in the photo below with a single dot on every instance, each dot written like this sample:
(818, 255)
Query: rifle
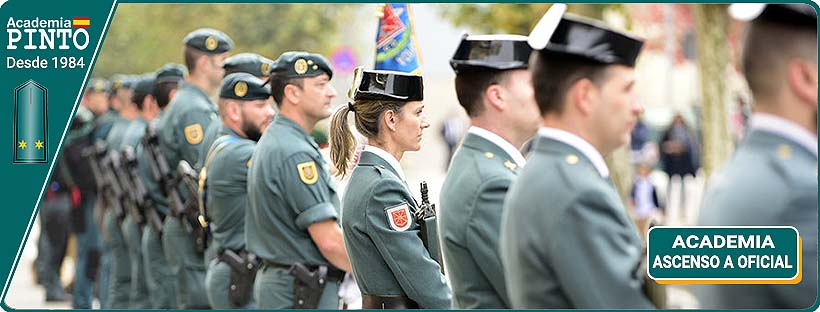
(426, 217)
(190, 181)
(161, 171)
(111, 188)
(147, 210)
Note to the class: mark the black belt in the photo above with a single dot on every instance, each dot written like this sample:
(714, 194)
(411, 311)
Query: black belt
(333, 274)
(388, 302)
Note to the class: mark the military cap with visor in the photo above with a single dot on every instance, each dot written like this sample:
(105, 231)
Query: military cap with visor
(792, 14)
(244, 87)
(250, 63)
(299, 64)
(209, 40)
(563, 34)
(171, 73)
(491, 52)
(380, 85)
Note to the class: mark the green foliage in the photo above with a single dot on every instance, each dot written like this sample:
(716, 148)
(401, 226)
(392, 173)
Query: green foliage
(512, 18)
(143, 37)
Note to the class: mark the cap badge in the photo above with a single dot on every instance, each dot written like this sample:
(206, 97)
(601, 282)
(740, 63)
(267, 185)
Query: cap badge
(265, 69)
(240, 89)
(211, 43)
(300, 66)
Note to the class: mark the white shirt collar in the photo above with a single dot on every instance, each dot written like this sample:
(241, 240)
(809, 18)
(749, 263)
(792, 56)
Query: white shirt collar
(392, 161)
(500, 142)
(784, 128)
(577, 142)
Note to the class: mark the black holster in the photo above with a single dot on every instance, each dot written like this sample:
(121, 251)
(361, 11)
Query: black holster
(308, 285)
(373, 302)
(244, 266)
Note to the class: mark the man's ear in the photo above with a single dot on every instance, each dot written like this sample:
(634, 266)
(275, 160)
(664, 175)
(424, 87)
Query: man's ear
(802, 80)
(234, 110)
(292, 93)
(581, 94)
(495, 97)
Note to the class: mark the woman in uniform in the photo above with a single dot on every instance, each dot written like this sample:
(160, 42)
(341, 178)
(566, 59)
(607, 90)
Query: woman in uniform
(391, 265)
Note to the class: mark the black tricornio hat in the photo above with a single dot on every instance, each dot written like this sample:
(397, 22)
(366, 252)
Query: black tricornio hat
(376, 85)
(793, 14)
(560, 34)
(243, 86)
(491, 52)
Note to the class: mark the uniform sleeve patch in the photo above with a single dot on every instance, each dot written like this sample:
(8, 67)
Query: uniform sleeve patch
(193, 134)
(307, 172)
(399, 217)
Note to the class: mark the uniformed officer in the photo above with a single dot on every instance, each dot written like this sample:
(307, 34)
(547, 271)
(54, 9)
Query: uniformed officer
(180, 133)
(89, 240)
(116, 251)
(772, 177)
(493, 86)
(292, 221)
(144, 95)
(159, 279)
(255, 65)
(566, 239)
(246, 113)
(391, 264)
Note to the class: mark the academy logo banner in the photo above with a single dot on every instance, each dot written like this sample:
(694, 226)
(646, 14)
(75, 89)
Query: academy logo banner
(48, 50)
(396, 47)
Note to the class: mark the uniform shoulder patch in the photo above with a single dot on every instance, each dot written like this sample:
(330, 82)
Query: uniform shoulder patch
(399, 217)
(193, 134)
(307, 172)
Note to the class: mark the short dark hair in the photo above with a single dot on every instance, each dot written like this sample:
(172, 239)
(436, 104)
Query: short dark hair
(554, 75)
(278, 84)
(191, 55)
(162, 93)
(471, 86)
(768, 47)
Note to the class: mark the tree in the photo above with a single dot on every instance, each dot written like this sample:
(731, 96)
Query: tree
(143, 37)
(712, 22)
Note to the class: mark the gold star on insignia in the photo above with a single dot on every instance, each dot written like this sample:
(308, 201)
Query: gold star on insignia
(21, 144)
(488, 155)
(38, 144)
(509, 165)
(572, 159)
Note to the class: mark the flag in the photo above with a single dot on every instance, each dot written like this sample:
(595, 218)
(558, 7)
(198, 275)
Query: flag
(30, 128)
(81, 22)
(396, 46)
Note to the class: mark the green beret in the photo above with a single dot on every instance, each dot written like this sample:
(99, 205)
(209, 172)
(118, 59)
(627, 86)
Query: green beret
(144, 84)
(298, 64)
(243, 86)
(209, 40)
(170, 73)
(98, 85)
(250, 63)
(120, 81)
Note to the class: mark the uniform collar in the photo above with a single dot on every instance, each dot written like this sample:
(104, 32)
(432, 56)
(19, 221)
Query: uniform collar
(580, 144)
(784, 128)
(281, 120)
(387, 157)
(193, 88)
(508, 148)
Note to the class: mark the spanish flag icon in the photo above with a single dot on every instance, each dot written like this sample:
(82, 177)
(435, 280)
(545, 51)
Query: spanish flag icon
(81, 22)
(30, 123)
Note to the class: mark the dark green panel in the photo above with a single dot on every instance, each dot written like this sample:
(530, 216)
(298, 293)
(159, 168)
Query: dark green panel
(30, 127)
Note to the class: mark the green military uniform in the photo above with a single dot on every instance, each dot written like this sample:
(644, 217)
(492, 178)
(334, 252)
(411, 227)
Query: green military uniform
(566, 240)
(472, 199)
(180, 133)
(226, 173)
(132, 233)
(289, 189)
(117, 252)
(388, 259)
(770, 180)
(159, 279)
(393, 268)
(481, 171)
